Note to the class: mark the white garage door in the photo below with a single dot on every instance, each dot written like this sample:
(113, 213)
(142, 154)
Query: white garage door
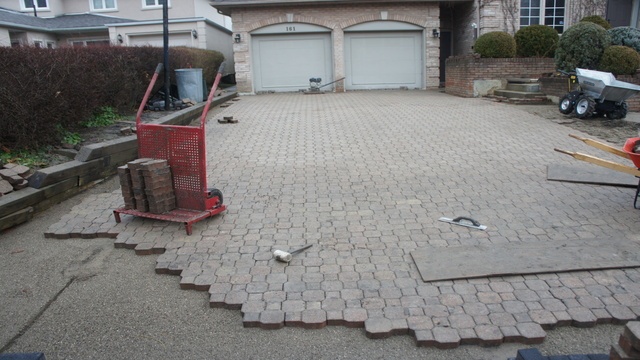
(182, 39)
(286, 62)
(383, 60)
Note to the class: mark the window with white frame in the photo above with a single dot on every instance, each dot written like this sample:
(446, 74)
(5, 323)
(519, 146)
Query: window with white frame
(153, 3)
(91, 42)
(98, 5)
(545, 12)
(40, 4)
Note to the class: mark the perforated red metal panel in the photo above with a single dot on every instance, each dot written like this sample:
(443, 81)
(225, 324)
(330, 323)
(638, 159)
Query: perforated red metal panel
(184, 149)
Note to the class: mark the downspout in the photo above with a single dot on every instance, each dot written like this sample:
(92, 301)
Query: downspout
(634, 13)
(476, 30)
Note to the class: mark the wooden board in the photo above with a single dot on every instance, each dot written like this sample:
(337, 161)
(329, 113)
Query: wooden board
(466, 262)
(590, 174)
(16, 218)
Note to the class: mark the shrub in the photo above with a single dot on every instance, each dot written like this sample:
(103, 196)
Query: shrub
(536, 41)
(625, 36)
(597, 20)
(620, 60)
(581, 46)
(47, 89)
(496, 44)
(105, 116)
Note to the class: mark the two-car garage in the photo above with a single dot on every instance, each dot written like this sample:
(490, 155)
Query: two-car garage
(376, 55)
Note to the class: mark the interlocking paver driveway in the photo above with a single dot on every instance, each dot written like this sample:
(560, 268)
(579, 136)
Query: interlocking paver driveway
(364, 177)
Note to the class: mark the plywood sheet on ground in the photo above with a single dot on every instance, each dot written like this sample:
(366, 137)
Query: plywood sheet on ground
(589, 174)
(465, 262)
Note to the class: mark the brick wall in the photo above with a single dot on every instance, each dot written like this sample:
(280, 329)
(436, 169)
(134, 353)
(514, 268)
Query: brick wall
(336, 18)
(462, 71)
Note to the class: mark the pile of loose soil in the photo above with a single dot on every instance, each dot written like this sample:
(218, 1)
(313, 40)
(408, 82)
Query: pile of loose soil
(613, 131)
(99, 134)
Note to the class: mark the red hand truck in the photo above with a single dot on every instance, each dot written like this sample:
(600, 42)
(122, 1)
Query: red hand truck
(184, 149)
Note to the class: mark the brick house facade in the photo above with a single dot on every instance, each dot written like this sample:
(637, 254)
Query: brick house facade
(355, 34)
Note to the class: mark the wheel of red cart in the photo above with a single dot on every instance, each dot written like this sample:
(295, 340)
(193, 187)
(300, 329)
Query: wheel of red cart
(213, 192)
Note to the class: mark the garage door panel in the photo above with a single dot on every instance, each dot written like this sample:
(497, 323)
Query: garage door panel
(286, 62)
(291, 63)
(383, 60)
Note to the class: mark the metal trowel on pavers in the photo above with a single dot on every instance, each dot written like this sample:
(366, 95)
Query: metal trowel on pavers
(464, 221)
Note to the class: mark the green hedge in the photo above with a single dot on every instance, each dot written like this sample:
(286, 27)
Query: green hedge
(496, 44)
(536, 41)
(620, 60)
(581, 46)
(45, 89)
(597, 20)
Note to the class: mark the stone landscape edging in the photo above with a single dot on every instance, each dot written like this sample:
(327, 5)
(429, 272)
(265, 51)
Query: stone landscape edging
(92, 164)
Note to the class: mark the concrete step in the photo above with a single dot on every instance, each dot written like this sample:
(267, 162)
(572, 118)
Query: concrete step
(531, 87)
(522, 80)
(538, 100)
(511, 94)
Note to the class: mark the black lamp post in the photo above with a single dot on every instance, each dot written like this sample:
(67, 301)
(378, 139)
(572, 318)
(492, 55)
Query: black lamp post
(165, 40)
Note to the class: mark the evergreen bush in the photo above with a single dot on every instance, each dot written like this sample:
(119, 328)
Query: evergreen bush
(625, 36)
(536, 41)
(496, 44)
(620, 60)
(581, 46)
(597, 20)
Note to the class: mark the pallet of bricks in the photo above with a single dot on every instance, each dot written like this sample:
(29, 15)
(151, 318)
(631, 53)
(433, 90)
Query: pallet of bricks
(147, 186)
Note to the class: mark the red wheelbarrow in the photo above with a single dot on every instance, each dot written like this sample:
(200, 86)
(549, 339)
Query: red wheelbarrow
(627, 152)
(184, 149)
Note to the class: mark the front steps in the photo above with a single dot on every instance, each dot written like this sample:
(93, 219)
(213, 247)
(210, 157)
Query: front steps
(520, 91)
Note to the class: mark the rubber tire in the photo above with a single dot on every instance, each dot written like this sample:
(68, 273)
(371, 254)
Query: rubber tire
(619, 113)
(566, 105)
(585, 106)
(215, 192)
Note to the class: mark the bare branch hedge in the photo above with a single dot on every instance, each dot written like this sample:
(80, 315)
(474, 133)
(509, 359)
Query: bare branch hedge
(43, 88)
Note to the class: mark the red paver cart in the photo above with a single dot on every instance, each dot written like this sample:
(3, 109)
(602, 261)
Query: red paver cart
(184, 149)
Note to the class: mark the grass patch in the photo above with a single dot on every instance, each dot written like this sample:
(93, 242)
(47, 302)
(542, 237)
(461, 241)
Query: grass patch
(68, 137)
(30, 158)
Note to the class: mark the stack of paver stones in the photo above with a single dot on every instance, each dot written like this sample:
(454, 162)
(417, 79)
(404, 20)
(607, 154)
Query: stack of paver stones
(13, 177)
(628, 346)
(147, 186)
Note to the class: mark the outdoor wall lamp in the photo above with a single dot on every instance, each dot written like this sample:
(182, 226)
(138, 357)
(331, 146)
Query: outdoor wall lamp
(435, 33)
(237, 38)
(120, 39)
(194, 33)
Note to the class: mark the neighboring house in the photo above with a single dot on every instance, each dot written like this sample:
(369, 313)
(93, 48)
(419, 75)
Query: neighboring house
(281, 44)
(54, 23)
